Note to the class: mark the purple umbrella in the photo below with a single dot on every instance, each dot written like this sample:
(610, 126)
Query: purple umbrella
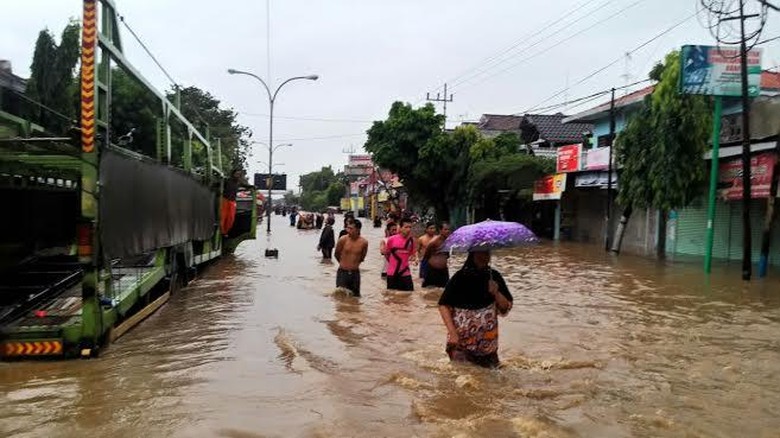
(489, 235)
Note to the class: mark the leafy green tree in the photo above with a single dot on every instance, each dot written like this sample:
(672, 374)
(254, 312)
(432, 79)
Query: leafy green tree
(52, 81)
(291, 198)
(507, 177)
(317, 181)
(321, 188)
(412, 144)
(661, 150)
(334, 193)
(201, 108)
(133, 107)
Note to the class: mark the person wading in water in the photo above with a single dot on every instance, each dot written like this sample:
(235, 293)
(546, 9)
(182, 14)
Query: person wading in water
(401, 250)
(422, 243)
(327, 241)
(350, 252)
(390, 231)
(438, 273)
(470, 306)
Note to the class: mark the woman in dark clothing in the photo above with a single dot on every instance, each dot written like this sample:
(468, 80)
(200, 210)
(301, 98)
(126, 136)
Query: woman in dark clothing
(469, 307)
(327, 240)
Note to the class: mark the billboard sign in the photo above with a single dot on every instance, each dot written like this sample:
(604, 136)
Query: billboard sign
(569, 158)
(761, 171)
(277, 181)
(597, 159)
(550, 188)
(716, 71)
(361, 160)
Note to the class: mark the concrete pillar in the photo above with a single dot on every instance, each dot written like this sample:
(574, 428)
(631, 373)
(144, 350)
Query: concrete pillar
(557, 222)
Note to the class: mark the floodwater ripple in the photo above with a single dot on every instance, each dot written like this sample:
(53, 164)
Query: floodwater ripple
(595, 346)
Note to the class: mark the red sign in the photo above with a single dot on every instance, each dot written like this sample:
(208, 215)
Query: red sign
(761, 169)
(569, 158)
(551, 187)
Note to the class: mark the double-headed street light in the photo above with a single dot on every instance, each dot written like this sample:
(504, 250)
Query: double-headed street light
(271, 148)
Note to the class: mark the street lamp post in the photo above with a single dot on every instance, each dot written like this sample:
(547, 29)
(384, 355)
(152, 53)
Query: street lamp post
(271, 148)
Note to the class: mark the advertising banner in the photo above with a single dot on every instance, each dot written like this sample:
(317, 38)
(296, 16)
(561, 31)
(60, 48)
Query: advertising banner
(716, 71)
(597, 159)
(761, 170)
(550, 188)
(569, 158)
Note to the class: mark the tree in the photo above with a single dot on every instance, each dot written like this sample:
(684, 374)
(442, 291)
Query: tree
(320, 189)
(52, 79)
(133, 107)
(498, 170)
(291, 198)
(201, 108)
(661, 150)
(411, 143)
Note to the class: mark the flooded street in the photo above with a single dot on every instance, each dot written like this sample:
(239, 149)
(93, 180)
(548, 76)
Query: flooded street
(255, 347)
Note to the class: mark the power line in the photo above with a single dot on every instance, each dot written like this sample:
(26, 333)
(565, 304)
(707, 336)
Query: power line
(634, 50)
(586, 99)
(328, 137)
(519, 41)
(308, 119)
(768, 40)
(545, 27)
(524, 60)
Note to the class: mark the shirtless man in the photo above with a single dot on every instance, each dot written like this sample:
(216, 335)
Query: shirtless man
(422, 243)
(350, 252)
(438, 275)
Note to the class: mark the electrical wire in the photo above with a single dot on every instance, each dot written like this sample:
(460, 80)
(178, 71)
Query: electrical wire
(327, 137)
(517, 42)
(634, 50)
(570, 37)
(495, 59)
(308, 119)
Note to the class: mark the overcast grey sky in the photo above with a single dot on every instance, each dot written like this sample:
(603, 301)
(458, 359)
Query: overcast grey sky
(371, 53)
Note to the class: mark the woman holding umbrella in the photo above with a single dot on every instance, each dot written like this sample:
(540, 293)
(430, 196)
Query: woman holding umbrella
(470, 306)
(477, 294)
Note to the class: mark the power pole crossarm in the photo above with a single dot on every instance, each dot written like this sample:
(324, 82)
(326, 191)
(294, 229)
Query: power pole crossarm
(444, 100)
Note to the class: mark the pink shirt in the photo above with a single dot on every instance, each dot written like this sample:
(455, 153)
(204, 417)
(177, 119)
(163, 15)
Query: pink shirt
(399, 248)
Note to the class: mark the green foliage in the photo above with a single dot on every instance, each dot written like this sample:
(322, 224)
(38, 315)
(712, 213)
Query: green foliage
(320, 189)
(134, 107)
(412, 144)
(334, 193)
(661, 149)
(202, 109)
(52, 80)
(317, 181)
(291, 198)
(513, 172)
(446, 170)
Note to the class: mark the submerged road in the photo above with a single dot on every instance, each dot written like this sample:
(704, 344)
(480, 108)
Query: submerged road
(257, 347)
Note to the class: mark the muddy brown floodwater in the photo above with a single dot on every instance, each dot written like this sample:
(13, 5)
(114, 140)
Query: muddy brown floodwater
(595, 347)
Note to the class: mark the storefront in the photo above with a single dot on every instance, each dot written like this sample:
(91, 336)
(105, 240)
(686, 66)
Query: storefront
(688, 227)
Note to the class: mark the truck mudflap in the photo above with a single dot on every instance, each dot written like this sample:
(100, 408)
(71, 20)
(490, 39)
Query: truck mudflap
(31, 348)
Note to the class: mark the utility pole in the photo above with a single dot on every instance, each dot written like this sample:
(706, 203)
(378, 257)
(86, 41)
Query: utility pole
(747, 247)
(444, 100)
(607, 238)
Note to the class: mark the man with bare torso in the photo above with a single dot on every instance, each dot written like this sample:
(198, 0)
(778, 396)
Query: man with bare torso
(437, 275)
(422, 243)
(350, 252)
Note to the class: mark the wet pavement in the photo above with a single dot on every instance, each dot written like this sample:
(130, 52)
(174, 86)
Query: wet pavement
(595, 346)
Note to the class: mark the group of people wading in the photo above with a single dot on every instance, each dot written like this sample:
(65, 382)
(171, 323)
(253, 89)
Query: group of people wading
(471, 301)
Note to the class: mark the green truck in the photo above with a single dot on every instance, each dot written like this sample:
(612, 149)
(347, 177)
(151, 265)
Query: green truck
(95, 235)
